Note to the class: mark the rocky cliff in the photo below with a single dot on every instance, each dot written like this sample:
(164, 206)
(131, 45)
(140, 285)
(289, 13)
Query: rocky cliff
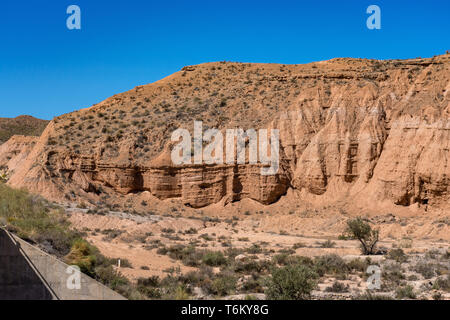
(354, 129)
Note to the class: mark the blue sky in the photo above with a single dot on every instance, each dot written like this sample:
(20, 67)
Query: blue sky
(47, 70)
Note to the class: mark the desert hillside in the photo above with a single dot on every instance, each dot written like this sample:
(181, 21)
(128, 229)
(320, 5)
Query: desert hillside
(21, 125)
(355, 132)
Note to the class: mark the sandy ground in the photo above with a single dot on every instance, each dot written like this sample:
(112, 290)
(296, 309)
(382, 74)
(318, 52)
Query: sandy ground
(138, 237)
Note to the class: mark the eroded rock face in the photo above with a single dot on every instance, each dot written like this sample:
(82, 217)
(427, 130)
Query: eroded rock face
(382, 136)
(415, 164)
(16, 150)
(196, 185)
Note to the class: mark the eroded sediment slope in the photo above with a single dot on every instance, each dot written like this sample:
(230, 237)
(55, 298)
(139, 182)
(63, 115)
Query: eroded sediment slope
(362, 130)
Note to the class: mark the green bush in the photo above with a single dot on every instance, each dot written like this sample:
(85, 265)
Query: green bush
(252, 266)
(330, 263)
(84, 256)
(224, 284)
(187, 254)
(363, 232)
(214, 259)
(397, 255)
(292, 282)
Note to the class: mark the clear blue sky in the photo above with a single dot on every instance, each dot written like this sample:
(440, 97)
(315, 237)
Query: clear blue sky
(47, 70)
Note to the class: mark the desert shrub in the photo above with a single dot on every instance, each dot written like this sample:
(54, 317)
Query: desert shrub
(358, 265)
(432, 254)
(192, 257)
(109, 277)
(287, 251)
(405, 292)
(233, 252)
(370, 296)
(285, 259)
(173, 289)
(297, 245)
(206, 237)
(393, 276)
(254, 249)
(201, 278)
(162, 251)
(252, 266)
(111, 233)
(437, 296)
(152, 281)
(327, 244)
(363, 232)
(149, 287)
(338, 287)
(397, 255)
(181, 293)
(83, 255)
(427, 270)
(224, 284)
(292, 282)
(281, 259)
(188, 255)
(214, 259)
(442, 283)
(330, 263)
(253, 285)
(191, 231)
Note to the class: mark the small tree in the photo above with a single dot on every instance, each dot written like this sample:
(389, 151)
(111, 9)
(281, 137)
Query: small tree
(361, 230)
(293, 282)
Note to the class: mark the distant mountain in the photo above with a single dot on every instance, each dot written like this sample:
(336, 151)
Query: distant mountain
(21, 125)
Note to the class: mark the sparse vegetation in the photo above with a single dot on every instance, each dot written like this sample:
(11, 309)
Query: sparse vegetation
(292, 282)
(397, 255)
(405, 292)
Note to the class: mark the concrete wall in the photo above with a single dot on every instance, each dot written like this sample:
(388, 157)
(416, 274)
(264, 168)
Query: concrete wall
(18, 280)
(56, 275)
